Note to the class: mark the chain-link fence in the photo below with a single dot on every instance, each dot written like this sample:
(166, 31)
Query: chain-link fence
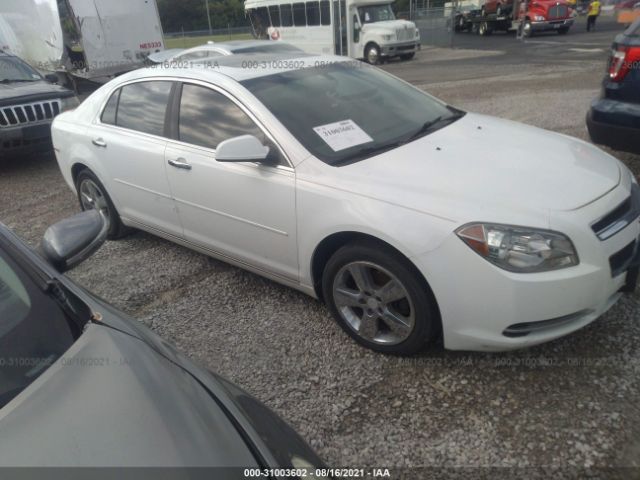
(435, 25)
(186, 39)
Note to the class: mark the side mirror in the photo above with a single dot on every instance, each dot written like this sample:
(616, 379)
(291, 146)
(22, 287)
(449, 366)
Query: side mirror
(245, 148)
(51, 78)
(74, 239)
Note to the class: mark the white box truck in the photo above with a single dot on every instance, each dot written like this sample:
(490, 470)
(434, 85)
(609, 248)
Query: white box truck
(91, 39)
(362, 29)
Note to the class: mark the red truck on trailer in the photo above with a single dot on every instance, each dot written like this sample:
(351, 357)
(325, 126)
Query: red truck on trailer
(527, 17)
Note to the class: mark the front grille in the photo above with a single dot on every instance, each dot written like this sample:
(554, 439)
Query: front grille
(620, 217)
(405, 34)
(29, 113)
(558, 11)
(621, 260)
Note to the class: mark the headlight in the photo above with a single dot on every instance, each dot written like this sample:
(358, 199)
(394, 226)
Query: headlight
(520, 249)
(69, 103)
(539, 18)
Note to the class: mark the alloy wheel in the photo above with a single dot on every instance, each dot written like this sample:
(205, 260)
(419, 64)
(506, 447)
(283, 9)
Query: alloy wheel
(92, 198)
(374, 303)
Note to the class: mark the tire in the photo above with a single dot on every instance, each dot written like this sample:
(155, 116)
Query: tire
(527, 30)
(372, 54)
(400, 324)
(88, 185)
(484, 29)
(408, 56)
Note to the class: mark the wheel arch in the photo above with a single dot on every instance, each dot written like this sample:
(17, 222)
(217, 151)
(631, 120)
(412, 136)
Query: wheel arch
(331, 243)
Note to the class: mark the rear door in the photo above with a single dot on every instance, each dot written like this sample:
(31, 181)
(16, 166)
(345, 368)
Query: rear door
(245, 211)
(129, 141)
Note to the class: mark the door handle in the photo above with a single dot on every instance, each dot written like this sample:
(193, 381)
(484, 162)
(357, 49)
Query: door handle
(99, 142)
(180, 163)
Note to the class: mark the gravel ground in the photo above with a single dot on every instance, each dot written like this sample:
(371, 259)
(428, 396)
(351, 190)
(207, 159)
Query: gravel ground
(572, 403)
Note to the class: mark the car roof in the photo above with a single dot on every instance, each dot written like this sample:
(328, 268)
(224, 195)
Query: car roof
(241, 67)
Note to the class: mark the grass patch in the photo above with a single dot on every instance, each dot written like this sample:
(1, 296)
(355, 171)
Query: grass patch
(188, 42)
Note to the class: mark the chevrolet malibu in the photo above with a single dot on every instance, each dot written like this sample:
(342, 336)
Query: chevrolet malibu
(411, 219)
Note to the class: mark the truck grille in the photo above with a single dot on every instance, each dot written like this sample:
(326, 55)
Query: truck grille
(558, 11)
(620, 217)
(29, 113)
(405, 34)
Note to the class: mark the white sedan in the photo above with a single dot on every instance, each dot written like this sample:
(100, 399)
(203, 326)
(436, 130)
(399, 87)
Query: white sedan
(410, 219)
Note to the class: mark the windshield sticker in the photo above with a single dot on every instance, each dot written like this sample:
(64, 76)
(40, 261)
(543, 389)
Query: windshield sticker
(342, 135)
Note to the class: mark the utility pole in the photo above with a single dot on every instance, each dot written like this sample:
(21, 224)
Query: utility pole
(208, 16)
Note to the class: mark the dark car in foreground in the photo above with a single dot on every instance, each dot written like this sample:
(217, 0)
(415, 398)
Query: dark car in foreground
(614, 118)
(28, 104)
(82, 384)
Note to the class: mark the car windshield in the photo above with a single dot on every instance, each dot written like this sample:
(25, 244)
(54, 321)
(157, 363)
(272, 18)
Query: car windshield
(346, 112)
(34, 330)
(376, 13)
(15, 70)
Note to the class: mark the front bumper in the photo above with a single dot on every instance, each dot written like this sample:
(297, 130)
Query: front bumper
(402, 48)
(609, 123)
(548, 25)
(486, 308)
(27, 139)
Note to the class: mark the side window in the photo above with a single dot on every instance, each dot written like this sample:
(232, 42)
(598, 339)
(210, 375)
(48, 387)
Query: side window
(287, 15)
(299, 18)
(313, 13)
(274, 13)
(325, 12)
(111, 109)
(208, 118)
(143, 105)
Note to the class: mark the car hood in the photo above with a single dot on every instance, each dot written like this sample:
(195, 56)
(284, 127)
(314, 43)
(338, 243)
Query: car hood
(480, 161)
(111, 401)
(391, 25)
(12, 92)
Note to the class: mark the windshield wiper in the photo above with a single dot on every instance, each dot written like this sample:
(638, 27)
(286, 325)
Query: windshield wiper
(438, 122)
(367, 151)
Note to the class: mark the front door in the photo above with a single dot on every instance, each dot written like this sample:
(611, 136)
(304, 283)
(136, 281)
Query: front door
(245, 211)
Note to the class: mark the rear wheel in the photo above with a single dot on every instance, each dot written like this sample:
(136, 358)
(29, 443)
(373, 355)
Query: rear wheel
(379, 300)
(93, 196)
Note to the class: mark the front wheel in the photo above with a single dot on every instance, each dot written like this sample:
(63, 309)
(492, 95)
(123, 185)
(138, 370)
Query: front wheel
(527, 29)
(372, 54)
(93, 196)
(378, 298)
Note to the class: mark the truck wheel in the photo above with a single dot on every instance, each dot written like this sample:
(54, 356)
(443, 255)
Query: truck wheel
(372, 54)
(527, 30)
(484, 29)
(408, 56)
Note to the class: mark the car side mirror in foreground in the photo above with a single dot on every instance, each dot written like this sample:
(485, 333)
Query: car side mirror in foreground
(245, 148)
(74, 239)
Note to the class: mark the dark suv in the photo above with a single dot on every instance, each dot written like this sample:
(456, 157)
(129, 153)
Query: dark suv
(28, 104)
(614, 118)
